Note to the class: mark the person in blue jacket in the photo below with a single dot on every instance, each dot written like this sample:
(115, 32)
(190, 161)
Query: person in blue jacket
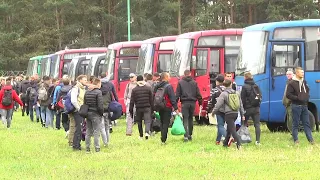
(54, 103)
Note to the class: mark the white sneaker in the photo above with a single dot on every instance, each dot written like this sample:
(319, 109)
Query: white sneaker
(67, 134)
(258, 143)
(147, 136)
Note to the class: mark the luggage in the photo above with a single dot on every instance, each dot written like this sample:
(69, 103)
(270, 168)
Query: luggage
(177, 127)
(244, 134)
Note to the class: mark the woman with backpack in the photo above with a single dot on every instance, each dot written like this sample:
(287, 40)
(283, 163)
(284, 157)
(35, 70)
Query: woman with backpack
(7, 98)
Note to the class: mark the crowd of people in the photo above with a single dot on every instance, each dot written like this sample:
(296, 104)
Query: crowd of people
(94, 105)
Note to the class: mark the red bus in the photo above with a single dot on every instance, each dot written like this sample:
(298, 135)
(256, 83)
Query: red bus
(206, 54)
(155, 55)
(62, 63)
(121, 60)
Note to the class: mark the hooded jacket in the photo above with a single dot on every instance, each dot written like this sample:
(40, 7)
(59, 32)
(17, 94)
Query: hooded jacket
(214, 94)
(50, 90)
(110, 88)
(34, 85)
(141, 97)
(64, 91)
(57, 90)
(246, 93)
(188, 91)
(171, 101)
(24, 86)
(128, 91)
(77, 95)
(222, 103)
(93, 98)
(285, 101)
(298, 91)
(15, 97)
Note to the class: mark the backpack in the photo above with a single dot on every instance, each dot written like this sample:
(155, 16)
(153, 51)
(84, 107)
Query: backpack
(234, 101)
(32, 94)
(255, 96)
(67, 104)
(43, 93)
(159, 98)
(7, 98)
(107, 94)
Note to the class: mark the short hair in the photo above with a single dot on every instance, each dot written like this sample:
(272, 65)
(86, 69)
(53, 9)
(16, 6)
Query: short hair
(96, 81)
(103, 75)
(66, 81)
(228, 73)
(298, 69)
(247, 75)
(79, 78)
(54, 80)
(164, 76)
(187, 72)
(139, 78)
(227, 83)
(149, 77)
(46, 78)
(145, 75)
(92, 78)
(156, 74)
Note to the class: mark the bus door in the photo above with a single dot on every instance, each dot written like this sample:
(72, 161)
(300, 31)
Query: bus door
(284, 56)
(98, 69)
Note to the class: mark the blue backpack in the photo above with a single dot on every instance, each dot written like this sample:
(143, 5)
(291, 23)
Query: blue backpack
(116, 109)
(68, 106)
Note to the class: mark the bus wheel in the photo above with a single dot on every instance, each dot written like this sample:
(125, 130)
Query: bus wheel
(312, 121)
(274, 127)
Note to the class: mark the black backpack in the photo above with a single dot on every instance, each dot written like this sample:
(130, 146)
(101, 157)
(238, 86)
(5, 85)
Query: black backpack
(7, 98)
(255, 96)
(159, 98)
(32, 93)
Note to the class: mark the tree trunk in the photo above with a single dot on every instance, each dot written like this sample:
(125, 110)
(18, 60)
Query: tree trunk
(58, 28)
(193, 15)
(232, 12)
(250, 14)
(179, 17)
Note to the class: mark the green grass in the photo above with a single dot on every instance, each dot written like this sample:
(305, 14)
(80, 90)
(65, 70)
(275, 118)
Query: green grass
(28, 151)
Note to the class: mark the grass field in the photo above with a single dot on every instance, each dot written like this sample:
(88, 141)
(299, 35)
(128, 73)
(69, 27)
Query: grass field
(28, 151)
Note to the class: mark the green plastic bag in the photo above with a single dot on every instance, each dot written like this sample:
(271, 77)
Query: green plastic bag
(177, 127)
(157, 115)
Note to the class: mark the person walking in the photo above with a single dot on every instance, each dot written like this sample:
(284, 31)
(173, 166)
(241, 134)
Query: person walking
(251, 100)
(214, 94)
(25, 84)
(231, 102)
(229, 76)
(164, 94)
(127, 95)
(142, 99)
(65, 88)
(45, 92)
(77, 100)
(32, 101)
(8, 97)
(298, 93)
(93, 98)
(188, 92)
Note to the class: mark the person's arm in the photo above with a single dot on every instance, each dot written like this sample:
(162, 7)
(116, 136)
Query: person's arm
(220, 102)
(132, 102)
(16, 98)
(100, 103)
(242, 112)
(126, 93)
(178, 92)
(151, 99)
(199, 97)
(74, 98)
(290, 93)
(55, 94)
(115, 95)
(243, 96)
(172, 97)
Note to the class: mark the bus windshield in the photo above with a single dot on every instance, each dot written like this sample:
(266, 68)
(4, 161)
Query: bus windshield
(45, 67)
(252, 55)
(110, 58)
(127, 66)
(145, 61)
(181, 56)
(54, 62)
(29, 70)
(232, 46)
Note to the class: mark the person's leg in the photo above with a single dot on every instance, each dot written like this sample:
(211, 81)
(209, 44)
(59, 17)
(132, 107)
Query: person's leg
(190, 120)
(9, 117)
(4, 117)
(38, 115)
(147, 120)
(139, 116)
(106, 126)
(231, 128)
(185, 115)
(72, 129)
(31, 111)
(103, 131)
(77, 134)
(306, 123)
(296, 114)
(256, 121)
(43, 115)
(89, 133)
(58, 119)
(96, 124)
(129, 121)
(49, 117)
(65, 121)
(221, 130)
(23, 108)
(165, 116)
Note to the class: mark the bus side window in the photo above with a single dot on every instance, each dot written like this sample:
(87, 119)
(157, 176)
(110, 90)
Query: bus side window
(284, 57)
(201, 62)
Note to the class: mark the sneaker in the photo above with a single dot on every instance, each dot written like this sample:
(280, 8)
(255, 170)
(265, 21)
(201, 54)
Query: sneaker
(312, 142)
(105, 145)
(258, 143)
(76, 149)
(217, 142)
(67, 134)
(97, 149)
(231, 140)
(190, 138)
(163, 143)
(296, 142)
(88, 151)
(185, 140)
(110, 130)
(239, 147)
(147, 136)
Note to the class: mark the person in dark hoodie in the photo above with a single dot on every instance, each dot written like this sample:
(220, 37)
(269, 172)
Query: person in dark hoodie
(65, 88)
(230, 114)
(298, 93)
(93, 98)
(142, 99)
(7, 98)
(171, 103)
(248, 97)
(188, 92)
(25, 84)
(32, 97)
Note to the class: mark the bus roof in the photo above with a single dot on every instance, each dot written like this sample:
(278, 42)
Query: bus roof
(159, 39)
(36, 58)
(50, 55)
(283, 24)
(211, 33)
(90, 49)
(127, 44)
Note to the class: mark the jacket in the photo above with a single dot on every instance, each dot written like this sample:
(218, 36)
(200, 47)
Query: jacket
(188, 91)
(171, 101)
(15, 97)
(222, 102)
(128, 91)
(246, 92)
(298, 91)
(24, 86)
(50, 90)
(56, 93)
(93, 98)
(285, 101)
(214, 94)
(35, 86)
(64, 91)
(141, 97)
(111, 88)
(77, 95)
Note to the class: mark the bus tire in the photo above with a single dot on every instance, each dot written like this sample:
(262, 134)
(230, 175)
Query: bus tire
(275, 127)
(312, 121)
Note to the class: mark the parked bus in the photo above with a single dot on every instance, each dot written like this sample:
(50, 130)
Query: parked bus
(121, 60)
(79, 66)
(206, 54)
(268, 51)
(155, 55)
(96, 65)
(46, 65)
(62, 64)
(34, 65)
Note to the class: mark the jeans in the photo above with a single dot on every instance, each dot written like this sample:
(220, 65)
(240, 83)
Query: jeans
(78, 133)
(231, 129)
(72, 129)
(254, 113)
(47, 115)
(221, 130)
(130, 120)
(31, 111)
(145, 114)
(105, 128)
(187, 114)
(300, 112)
(165, 116)
(65, 121)
(25, 108)
(58, 118)
(93, 129)
(6, 116)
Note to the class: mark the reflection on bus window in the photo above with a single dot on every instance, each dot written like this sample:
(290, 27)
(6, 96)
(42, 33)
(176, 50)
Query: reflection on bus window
(126, 67)
(164, 62)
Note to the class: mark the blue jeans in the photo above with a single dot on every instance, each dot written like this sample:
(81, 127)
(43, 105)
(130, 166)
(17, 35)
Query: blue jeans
(31, 111)
(47, 115)
(221, 130)
(300, 112)
(58, 118)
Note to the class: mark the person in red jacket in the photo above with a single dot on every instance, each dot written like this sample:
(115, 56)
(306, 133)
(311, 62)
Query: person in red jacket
(6, 109)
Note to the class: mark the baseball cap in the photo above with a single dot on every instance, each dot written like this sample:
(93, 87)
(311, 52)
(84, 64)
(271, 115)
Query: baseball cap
(132, 75)
(220, 78)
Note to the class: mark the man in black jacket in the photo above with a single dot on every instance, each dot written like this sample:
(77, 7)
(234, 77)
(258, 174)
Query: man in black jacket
(298, 93)
(188, 92)
(142, 98)
(25, 84)
(248, 96)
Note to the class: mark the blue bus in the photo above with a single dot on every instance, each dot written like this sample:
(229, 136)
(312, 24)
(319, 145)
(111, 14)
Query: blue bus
(268, 51)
